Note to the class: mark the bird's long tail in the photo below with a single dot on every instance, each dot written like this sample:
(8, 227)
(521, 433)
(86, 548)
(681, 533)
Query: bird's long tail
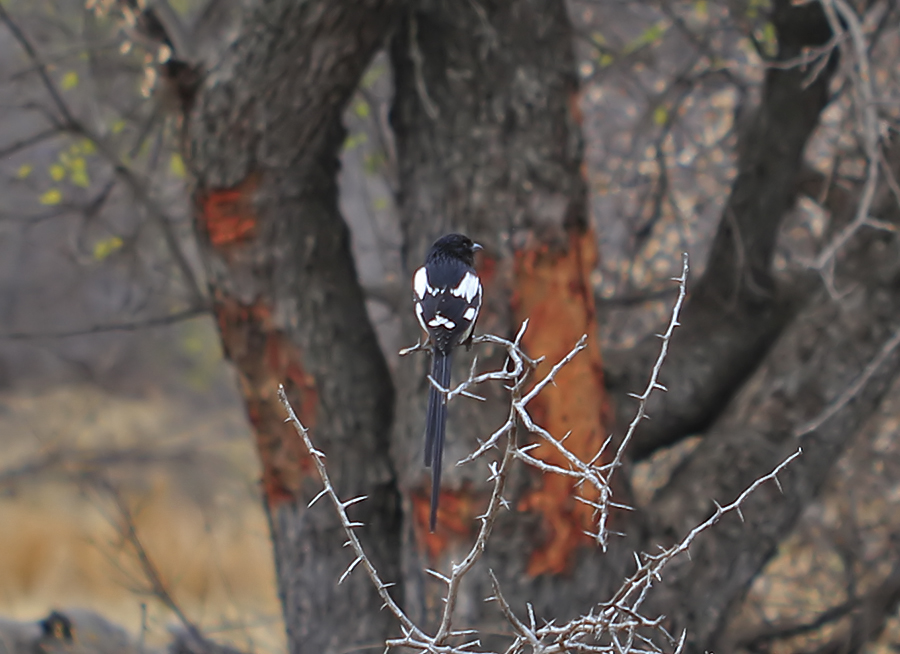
(436, 426)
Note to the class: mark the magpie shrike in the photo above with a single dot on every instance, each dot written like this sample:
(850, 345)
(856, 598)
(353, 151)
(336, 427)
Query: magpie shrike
(448, 299)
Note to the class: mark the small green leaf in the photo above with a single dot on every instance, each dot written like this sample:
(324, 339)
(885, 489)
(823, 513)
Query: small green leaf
(87, 146)
(605, 60)
(361, 109)
(78, 173)
(372, 75)
(355, 140)
(69, 80)
(53, 196)
(648, 37)
(770, 39)
(176, 166)
(118, 126)
(374, 162)
(24, 171)
(106, 247)
(57, 172)
(660, 115)
(701, 9)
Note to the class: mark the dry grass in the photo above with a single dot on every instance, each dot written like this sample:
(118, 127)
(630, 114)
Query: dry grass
(198, 516)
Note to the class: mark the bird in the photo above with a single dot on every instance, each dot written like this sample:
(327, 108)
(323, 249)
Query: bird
(447, 295)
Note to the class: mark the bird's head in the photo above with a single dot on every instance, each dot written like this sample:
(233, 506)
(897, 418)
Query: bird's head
(455, 245)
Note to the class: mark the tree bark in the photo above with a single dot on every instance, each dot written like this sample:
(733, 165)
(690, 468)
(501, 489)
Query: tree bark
(736, 311)
(262, 143)
(797, 398)
(488, 143)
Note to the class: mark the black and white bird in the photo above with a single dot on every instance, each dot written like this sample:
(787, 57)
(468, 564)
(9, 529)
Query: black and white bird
(448, 299)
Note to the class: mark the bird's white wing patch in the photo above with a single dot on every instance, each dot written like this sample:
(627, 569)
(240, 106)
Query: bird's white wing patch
(470, 313)
(441, 321)
(469, 286)
(419, 312)
(420, 283)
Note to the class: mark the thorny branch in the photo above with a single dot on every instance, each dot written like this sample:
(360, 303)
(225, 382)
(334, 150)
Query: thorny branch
(615, 626)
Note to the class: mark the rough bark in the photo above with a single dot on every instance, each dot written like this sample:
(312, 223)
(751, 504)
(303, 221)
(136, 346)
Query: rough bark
(736, 311)
(488, 143)
(262, 143)
(817, 358)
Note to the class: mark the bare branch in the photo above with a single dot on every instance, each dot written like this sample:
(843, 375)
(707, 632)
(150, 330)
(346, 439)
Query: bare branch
(839, 13)
(158, 587)
(408, 625)
(66, 121)
(172, 318)
(613, 627)
(852, 390)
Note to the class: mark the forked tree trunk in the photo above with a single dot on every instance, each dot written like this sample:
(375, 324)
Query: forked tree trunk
(486, 123)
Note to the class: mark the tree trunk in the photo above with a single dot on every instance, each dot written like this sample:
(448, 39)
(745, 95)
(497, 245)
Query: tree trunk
(486, 121)
(263, 140)
(736, 310)
(796, 398)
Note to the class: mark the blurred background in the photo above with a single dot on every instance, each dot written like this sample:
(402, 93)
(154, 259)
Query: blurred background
(122, 436)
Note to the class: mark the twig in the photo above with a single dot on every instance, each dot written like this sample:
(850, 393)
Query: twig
(348, 526)
(640, 414)
(613, 627)
(28, 141)
(868, 128)
(852, 390)
(619, 618)
(130, 326)
(151, 573)
(66, 121)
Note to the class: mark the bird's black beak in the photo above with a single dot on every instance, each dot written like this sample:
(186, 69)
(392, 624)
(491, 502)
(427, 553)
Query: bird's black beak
(476, 247)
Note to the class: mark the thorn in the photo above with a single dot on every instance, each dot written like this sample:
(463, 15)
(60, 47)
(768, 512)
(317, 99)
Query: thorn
(317, 497)
(778, 483)
(354, 501)
(624, 507)
(346, 574)
(584, 500)
(740, 514)
(437, 575)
